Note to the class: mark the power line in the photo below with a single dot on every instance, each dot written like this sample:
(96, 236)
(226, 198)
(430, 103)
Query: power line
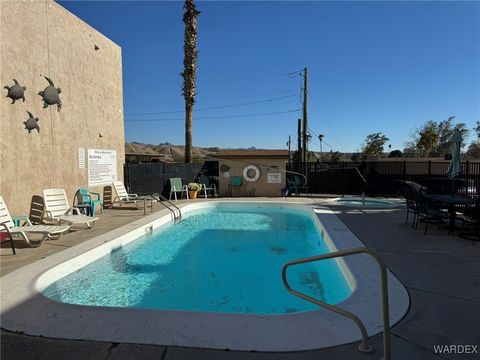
(331, 148)
(211, 81)
(214, 107)
(323, 141)
(216, 100)
(249, 78)
(328, 124)
(298, 72)
(217, 117)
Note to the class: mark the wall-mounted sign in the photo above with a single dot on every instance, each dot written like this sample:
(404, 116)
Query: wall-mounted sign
(81, 158)
(102, 167)
(274, 178)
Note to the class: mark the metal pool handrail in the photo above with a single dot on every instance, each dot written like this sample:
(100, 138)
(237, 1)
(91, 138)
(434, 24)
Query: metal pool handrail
(173, 211)
(364, 346)
(152, 201)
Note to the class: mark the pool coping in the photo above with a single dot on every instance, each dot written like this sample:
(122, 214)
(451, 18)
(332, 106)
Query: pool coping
(24, 309)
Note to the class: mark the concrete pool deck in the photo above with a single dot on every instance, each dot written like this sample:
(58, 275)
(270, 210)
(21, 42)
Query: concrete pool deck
(441, 273)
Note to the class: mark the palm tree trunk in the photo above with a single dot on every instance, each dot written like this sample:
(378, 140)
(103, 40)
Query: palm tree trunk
(188, 132)
(189, 71)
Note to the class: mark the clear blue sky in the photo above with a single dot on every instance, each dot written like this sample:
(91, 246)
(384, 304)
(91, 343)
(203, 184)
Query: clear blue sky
(373, 67)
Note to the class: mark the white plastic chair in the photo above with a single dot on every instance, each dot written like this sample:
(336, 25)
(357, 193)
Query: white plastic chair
(7, 225)
(207, 187)
(58, 210)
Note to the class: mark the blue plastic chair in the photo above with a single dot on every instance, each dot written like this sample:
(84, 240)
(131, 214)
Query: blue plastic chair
(84, 197)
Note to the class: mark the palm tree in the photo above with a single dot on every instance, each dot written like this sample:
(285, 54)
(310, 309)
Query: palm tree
(189, 71)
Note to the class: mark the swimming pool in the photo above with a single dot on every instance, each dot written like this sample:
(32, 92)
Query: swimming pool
(25, 309)
(367, 202)
(221, 259)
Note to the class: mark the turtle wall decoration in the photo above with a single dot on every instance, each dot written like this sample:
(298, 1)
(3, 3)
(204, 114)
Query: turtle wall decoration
(51, 95)
(31, 123)
(16, 91)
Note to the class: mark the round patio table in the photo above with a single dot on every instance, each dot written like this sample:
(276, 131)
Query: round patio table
(450, 200)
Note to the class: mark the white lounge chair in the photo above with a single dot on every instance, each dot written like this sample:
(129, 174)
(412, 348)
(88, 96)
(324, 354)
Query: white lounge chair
(123, 197)
(7, 225)
(57, 209)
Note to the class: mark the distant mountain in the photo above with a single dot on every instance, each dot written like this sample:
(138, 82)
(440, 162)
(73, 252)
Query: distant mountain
(168, 152)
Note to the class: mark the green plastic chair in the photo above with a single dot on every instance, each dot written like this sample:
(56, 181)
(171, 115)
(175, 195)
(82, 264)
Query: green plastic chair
(296, 185)
(85, 197)
(292, 187)
(235, 182)
(177, 186)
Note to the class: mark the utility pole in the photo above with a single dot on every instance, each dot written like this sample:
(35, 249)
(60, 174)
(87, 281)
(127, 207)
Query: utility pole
(289, 157)
(305, 121)
(299, 146)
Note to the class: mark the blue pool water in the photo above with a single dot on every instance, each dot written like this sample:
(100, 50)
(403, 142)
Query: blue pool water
(224, 259)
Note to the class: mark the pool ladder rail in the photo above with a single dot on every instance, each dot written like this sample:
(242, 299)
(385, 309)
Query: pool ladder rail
(148, 201)
(176, 212)
(364, 345)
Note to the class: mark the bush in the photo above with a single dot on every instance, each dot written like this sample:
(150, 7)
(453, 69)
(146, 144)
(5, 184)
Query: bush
(395, 154)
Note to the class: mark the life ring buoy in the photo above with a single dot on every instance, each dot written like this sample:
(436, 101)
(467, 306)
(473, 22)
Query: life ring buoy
(247, 170)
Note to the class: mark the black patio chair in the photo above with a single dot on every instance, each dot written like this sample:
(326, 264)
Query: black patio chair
(471, 219)
(411, 204)
(428, 214)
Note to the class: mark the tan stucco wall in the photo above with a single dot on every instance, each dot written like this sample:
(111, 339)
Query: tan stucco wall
(261, 187)
(42, 38)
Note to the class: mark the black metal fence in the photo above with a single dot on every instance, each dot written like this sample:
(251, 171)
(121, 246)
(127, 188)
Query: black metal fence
(375, 178)
(385, 177)
(152, 178)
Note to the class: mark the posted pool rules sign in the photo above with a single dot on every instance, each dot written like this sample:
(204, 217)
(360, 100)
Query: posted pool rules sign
(102, 167)
(274, 178)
